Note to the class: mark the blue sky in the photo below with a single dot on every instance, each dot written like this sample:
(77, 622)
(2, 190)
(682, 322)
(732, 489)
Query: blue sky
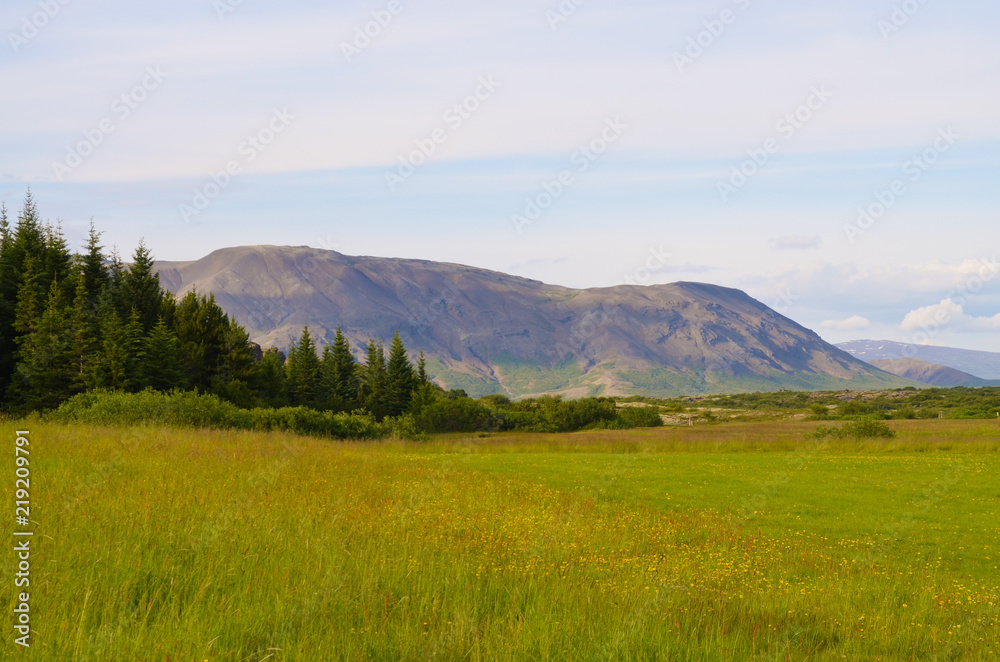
(130, 113)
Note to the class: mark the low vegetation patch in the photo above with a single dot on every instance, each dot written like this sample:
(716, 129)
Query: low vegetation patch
(865, 427)
(449, 412)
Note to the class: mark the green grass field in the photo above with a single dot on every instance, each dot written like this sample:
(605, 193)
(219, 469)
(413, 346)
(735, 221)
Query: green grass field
(738, 541)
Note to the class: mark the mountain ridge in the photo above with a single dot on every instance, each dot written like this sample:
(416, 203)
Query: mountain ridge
(930, 373)
(486, 331)
(979, 364)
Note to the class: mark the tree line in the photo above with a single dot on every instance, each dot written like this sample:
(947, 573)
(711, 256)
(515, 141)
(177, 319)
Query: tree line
(84, 332)
(77, 322)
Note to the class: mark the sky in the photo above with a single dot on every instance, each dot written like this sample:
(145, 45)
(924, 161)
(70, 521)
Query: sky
(837, 161)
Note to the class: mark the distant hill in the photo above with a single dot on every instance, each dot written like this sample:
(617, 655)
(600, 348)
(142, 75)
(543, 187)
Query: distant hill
(984, 365)
(930, 373)
(488, 332)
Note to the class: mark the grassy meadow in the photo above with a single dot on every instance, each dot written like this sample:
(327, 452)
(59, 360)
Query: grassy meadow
(737, 541)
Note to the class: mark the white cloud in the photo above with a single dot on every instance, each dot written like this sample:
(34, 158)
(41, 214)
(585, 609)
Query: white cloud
(855, 323)
(934, 316)
(930, 319)
(847, 283)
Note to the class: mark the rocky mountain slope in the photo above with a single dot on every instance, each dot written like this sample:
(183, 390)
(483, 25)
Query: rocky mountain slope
(984, 365)
(929, 373)
(490, 332)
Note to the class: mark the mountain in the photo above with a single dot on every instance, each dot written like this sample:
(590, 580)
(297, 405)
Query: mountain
(930, 373)
(984, 365)
(488, 332)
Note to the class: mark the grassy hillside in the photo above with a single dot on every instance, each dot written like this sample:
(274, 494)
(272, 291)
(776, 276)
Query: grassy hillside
(725, 542)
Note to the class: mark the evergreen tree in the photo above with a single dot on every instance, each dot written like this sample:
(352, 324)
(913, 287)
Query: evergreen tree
(29, 297)
(400, 379)
(163, 364)
(83, 336)
(202, 328)
(94, 273)
(43, 374)
(57, 260)
(425, 392)
(303, 371)
(374, 387)
(141, 289)
(325, 397)
(25, 241)
(339, 374)
(118, 364)
(272, 386)
(236, 379)
(422, 369)
(114, 289)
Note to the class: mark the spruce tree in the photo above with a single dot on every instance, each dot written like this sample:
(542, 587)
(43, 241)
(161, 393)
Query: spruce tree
(114, 289)
(57, 260)
(422, 369)
(118, 364)
(303, 371)
(271, 381)
(373, 395)
(44, 371)
(163, 361)
(202, 328)
(25, 241)
(141, 289)
(425, 392)
(29, 299)
(83, 336)
(94, 273)
(400, 379)
(326, 398)
(272, 385)
(236, 379)
(340, 379)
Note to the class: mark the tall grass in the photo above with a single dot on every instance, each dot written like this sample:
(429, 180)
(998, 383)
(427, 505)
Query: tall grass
(159, 544)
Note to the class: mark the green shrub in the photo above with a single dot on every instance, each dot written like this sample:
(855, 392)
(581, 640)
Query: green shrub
(453, 415)
(854, 408)
(820, 411)
(640, 417)
(865, 427)
(401, 427)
